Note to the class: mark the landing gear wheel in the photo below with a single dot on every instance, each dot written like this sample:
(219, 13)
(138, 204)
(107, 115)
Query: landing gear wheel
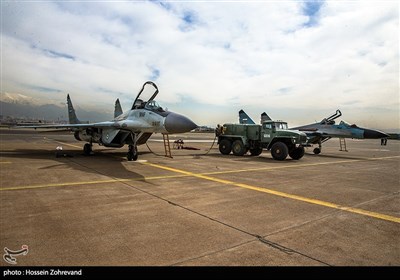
(297, 153)
(87, 149)
(132, 153)
(279, 151)
(256, 151)
(317, 151)
(238, 148)
(225, 147)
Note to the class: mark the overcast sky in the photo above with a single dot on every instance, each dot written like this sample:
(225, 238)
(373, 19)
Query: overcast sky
(296, 60)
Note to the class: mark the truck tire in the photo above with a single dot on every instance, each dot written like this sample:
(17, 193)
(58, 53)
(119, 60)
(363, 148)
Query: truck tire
(297, 153)
(225, 147)
(256, 151)
(238, 148)
(279, 151)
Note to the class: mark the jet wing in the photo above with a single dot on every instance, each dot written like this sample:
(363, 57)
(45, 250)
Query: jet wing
(316, 135)
(325, 132)
(80, 125)
(131, 125)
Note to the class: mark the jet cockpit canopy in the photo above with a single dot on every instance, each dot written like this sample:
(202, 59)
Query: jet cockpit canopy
(346, 124)
(140, 102)
(153, 106)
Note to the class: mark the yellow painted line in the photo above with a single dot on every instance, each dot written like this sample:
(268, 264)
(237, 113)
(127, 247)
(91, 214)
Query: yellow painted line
(5, 162)
(185, 174)
(296, 165)
(64, 184)
(282, 194)
(69, 184)
(227, 182)
(66, 144)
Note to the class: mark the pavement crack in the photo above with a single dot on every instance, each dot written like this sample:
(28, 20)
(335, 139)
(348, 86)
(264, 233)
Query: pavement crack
(276, 245)
(170, 202)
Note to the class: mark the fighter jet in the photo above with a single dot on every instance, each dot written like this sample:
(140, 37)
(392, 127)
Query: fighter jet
(320, 132)
(131, 128)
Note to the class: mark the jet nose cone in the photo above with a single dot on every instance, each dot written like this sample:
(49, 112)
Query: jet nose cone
(175, 123)
(374, 134)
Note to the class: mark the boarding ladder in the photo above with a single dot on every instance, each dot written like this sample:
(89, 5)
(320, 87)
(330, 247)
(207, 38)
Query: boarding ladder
(167, 146)
(342, 142)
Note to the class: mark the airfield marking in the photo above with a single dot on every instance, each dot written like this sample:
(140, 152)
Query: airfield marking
(63, 143)
(4, 162)
(296, 165)
(282, 194)
(186, 174)
(90, 182)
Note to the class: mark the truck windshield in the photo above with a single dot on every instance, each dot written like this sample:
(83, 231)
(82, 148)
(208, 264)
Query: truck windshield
(281, 125)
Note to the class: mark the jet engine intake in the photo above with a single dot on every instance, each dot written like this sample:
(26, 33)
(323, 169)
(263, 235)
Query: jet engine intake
(87, 136)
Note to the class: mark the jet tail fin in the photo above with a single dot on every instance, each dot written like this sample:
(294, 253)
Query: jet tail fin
(265, 117)
(71, 112)
(118, 109)
(244, 118)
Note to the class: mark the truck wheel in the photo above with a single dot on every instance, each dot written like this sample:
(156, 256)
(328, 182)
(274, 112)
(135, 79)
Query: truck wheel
(256, 151)
(238, 148)
(297, 153)
(225, 147)
(279, 151)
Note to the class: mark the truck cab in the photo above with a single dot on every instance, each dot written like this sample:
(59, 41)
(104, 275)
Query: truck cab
(269, 128)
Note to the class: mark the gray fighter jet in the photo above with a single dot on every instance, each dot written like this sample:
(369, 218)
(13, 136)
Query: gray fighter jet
(131, 128)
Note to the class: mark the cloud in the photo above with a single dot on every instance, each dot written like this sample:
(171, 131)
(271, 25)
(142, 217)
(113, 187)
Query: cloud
(308, 57)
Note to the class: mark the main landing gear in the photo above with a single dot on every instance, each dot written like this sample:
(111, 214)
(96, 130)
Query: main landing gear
(87, 149)
(132, 150)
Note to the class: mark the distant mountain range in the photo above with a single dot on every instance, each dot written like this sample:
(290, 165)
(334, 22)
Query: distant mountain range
(22, 106)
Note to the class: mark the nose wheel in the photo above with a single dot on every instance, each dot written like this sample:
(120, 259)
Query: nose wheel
(317, 151)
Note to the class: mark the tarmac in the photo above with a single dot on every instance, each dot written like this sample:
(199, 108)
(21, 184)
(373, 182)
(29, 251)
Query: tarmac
(199, 208)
